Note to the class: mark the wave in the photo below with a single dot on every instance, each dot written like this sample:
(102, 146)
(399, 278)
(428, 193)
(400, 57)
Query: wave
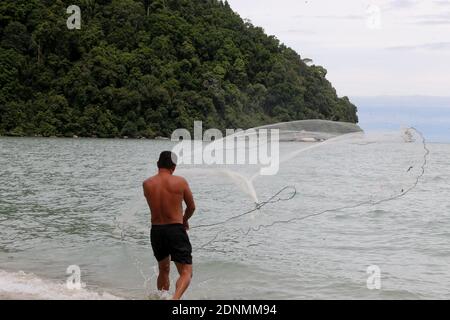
(378, 212)
(27, 286)
(438, 178)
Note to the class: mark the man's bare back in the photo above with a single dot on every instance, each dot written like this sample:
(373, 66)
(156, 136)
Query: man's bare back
(165, 194)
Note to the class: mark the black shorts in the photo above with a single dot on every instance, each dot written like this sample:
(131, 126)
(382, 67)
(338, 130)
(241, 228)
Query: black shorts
(171, 240)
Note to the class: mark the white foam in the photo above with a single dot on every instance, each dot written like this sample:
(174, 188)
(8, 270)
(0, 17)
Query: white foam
(21, 285)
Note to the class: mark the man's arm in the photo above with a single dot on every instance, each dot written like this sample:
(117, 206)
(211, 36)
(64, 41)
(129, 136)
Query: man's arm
(146, 193)
(190, 204)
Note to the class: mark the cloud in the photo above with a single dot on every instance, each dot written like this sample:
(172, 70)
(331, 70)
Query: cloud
(334, 34)
(299, 31)
(442, 3)
(334, 17)
(433, 19)
(435, 46)
(401, 4)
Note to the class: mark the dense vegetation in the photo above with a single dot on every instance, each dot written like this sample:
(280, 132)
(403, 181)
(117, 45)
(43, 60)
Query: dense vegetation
(147, 67)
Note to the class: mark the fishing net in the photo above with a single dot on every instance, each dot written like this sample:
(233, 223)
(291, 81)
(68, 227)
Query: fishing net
(322, 168)
(311, 130)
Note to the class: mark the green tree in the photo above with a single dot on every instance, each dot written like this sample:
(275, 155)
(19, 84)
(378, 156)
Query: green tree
(144, 68)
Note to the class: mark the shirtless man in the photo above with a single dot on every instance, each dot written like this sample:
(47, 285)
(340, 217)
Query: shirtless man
(165, 193)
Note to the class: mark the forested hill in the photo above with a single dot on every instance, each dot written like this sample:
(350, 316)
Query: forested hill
(147, 67)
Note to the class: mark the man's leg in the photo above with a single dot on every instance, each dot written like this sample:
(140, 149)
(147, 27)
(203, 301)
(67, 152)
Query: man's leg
(163, 277)
(185, 271)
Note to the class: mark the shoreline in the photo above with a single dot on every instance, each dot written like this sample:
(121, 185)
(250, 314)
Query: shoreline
(20, 285)
(140, 138)
(92, 137)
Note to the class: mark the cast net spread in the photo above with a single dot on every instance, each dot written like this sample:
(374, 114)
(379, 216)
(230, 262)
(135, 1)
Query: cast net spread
(324, 168)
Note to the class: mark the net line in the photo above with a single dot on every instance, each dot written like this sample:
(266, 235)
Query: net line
(272, 199)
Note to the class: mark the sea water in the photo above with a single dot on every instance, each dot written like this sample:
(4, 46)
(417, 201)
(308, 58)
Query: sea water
(78, 202)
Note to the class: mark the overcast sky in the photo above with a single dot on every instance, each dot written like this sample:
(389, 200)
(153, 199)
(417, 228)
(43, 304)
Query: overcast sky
(369, 47)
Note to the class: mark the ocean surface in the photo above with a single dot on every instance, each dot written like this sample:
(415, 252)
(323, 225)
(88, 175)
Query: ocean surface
(347, 206)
